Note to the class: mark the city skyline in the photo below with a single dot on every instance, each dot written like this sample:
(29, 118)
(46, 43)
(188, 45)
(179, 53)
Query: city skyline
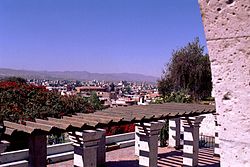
(96, 36)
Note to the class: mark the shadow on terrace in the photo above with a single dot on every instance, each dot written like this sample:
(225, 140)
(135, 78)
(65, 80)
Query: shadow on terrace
(167, 157)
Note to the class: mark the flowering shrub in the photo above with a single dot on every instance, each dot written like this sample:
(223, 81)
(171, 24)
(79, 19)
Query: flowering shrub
(113, 130)
(20, 101)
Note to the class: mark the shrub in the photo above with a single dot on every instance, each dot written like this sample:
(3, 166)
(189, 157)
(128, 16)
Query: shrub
(113, 130)
(20, 101)
(164, 135)
(178, 97)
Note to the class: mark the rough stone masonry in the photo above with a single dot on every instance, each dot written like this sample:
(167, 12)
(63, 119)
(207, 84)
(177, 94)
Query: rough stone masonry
(227, 29)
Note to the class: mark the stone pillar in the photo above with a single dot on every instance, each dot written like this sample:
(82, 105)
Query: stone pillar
(37, 150)
(88, 148)
(101, 150)
(148, 142)
(227, 29)
(137, 141)
(191, 140)
(216, 139)
(174, 133)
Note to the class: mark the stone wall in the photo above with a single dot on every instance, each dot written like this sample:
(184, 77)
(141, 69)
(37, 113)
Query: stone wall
(207, 126)
(227, 29)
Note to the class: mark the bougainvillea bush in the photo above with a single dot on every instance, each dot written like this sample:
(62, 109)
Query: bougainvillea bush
(113, 130)
(20, 101)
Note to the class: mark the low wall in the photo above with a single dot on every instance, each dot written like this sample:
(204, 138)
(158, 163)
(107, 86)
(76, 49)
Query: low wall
(61, 152)
(120, 137)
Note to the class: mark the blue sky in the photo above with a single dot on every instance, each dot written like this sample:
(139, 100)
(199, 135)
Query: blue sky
(106, 36)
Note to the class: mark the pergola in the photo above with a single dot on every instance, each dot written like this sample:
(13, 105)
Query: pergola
(87, 133)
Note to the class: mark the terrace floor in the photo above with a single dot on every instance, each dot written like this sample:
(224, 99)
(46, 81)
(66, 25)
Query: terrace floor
(166, 157)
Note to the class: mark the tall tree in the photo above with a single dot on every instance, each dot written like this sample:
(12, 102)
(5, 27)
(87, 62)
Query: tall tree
(189, 69)
(95, 101)
(165, 86)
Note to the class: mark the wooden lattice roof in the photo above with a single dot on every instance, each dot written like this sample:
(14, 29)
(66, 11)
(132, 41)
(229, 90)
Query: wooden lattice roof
(111, 116)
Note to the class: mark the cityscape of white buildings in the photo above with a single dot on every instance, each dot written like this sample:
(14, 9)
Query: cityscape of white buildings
(111, 94)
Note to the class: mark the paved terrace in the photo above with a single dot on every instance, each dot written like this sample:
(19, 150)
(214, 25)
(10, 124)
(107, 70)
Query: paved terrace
(88, 137)
(166, 157)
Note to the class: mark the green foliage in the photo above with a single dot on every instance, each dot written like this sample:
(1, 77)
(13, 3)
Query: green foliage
(95, 101)
(165, 86)
(15, 79)
(73, 104)
(112, 87)
(164, 135)
(189, 69)
(56, 139)
(127, 89)
(178, 97)
(21, 101)
(158, 100)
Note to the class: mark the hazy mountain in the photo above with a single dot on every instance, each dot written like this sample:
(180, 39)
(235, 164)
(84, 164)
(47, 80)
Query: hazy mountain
(76, 75)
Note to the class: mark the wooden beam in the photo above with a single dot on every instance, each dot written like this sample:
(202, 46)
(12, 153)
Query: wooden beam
(39, 126)
(81, 121)
(101, 117)
(62, 126)
(72, 123)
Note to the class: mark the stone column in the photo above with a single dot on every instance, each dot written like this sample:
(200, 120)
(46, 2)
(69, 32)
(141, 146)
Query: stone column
(37, 150)
(101, 150)
(216, 139)
(191, 140)
(227, 29)
(148, 142)
(174, 132)
(87, 152)
(137, 141)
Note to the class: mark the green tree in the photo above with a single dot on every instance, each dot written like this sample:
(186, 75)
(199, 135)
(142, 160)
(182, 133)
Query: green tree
(189, 70)
(95, 101)
(112, 87)
(15, 79)
(164, 133)
(127, 89)
(165, 86)
(74, 103)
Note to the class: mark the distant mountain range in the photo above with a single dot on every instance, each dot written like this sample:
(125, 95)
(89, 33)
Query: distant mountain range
(76, 75)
